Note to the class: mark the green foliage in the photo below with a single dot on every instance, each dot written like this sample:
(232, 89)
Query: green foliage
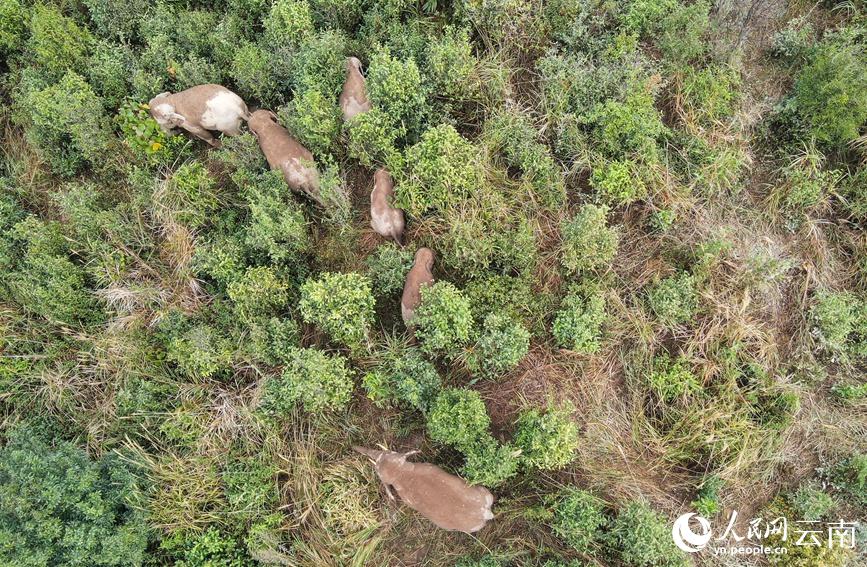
(811, 503)
(490, 463)
(406, 378)
(830, 94)
(314, 119)
(260, 291)
(388, 267)
(673, 379)
(108, 72)
(311, 378)
(835, 316)
(578, 323)
(116, 20)
(458, 417)
(710, 94)
(708, 503)
(143, 135)
(849, 477)
(682, 39)
(441, 170)
(395, 87)
(618, 182)
(373, 139)
(57, 45)
(57, 507)
(501, 345)
(320, 64)
(578, 519)
(201, 351)
(254, 73)
(273, 340)
(13, 25)
(588, 242)
(288, 23)
(451, 65)
(631, 126)
(191, 194)
(674, 299)
(548, 439)
(339, 304)
(212, 548)
(642, 538)
(278, 225)
(443, 319)
(67, 124)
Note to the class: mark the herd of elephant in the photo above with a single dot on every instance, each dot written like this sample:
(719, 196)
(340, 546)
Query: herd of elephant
(204, 109)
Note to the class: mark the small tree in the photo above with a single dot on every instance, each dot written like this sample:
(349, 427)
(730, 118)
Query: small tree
(315, 380)
(578, 324)
(500, 347)
(458, 417)
(588, 242)
(340, 304)
(578, 519)
(548, 439)
(443, 320)
(258, 292)
(674, 299)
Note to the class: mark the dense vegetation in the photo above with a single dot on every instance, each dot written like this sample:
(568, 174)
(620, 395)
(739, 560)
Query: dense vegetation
(649, 220)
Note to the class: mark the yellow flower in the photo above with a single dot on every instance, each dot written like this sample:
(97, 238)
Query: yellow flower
(155, 147)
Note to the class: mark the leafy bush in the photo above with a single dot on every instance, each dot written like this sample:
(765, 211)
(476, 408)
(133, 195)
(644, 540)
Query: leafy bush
(674, 299)
(320, 64)
(673, 379)
(629, 126)
(501, 345)
(406, 378)
(388, 266)
(395, 87)
(116, 20)
(830, 93)
(67, 124)
(548, 439)
(708, 503)
(458, 417)
(13, 25)
(201, 351)
(811, 503)
(834, 316)
(452, 66)
(191, 194)
(441, 170)
(618, 182)
(212, 547)
(108, 71)
(849, 477)
(254, 73)
(278, 225)
(315, 380)
(710, 94)
(273, 340)
(314, 119)
(642, 538)
(578, 518)
(373, 139)
(443, 319)
(57, 507)
(57, 45)
(682, 39)
(490, 463)
(588, 242)
(143, 135)
(340, 304)
(260, 291)
(578, 323)
(288, 23)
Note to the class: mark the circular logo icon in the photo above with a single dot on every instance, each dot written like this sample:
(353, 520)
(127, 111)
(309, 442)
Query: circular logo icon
(685, 538)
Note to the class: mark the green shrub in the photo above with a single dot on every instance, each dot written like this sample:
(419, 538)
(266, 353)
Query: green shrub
(320, 64)
(251, 486)
(443, 319)
(490, 463)
(501, 345)
(191, 194)
(578, 519)
(673, 379)
(339, 304)
(548, 439)
(708, 503)
(116, 20)
(588, 242)
(458, 417)
(143, 135)
(830, 94)
(441, 170)
(273, 340)
(834, 316)
(260, 291)
(674, 299)
(13, 25)
(288, 23)
(849, 478)
(811, 503)
(795, 40)
(212, 548)
(278, 225)
(67, 125)
(477, 241)
(373, 140)
(395, 87)
(336, 14)
(406, 378)
(314, 119)
(388, 266)
(57, 507)
(578, 323)
(618, 182)
(315, 380)
(631, 126)
(201, 351)
(254, 73)
(451, 65)
(46, 282)
(642, 538)
(57, 45)
(108, 71)
(710, 94)
(682, 39)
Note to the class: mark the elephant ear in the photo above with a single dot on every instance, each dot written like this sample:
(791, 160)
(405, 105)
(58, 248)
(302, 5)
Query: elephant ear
(175, 119)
